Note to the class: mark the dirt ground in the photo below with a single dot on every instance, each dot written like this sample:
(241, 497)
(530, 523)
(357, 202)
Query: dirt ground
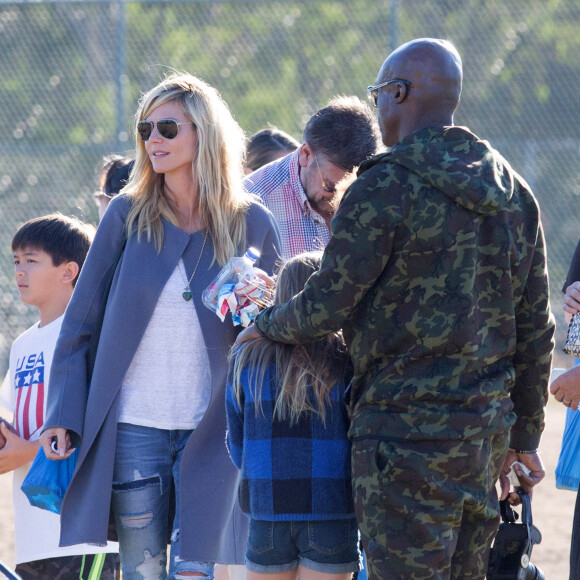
(552, 508)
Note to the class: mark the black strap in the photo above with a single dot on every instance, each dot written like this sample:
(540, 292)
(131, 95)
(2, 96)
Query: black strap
(508, 515)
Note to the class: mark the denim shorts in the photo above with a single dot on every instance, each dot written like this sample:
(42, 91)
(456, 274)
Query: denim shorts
(329, 546)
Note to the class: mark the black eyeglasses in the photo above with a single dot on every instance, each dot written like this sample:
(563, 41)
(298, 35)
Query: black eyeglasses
(168, 128)
(373, 90)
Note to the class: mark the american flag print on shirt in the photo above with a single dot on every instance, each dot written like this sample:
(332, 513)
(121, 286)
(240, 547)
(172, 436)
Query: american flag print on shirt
(29, 385)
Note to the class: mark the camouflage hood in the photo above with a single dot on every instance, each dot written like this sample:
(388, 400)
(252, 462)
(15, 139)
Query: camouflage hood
(454, 161)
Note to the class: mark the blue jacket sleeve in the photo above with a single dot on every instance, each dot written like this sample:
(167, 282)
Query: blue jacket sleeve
(264, 234)
(74, 353)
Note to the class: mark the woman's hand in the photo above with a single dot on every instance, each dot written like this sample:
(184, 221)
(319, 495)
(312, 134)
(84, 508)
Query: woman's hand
(61, 440)
(566, 388)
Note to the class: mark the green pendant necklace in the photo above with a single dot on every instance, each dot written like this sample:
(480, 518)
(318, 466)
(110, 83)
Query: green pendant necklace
(187, 295)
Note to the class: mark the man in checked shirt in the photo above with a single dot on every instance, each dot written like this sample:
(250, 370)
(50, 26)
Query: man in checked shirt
(302, 190)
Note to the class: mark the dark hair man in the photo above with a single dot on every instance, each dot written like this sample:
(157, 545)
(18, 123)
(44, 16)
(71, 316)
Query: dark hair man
(302, 190)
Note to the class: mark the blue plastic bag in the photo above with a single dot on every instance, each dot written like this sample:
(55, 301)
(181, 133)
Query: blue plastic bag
(568, 467)
(47, 481)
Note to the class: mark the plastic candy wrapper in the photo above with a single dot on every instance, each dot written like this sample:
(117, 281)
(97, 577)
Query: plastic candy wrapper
(238, 289)
(243, 300)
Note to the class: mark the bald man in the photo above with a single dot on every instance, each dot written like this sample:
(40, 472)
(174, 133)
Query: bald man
(436, 273)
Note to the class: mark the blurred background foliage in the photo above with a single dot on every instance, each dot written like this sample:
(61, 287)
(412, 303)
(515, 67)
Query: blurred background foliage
(71, 74)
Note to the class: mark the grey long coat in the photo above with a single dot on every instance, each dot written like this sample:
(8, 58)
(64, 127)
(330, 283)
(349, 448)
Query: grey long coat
(211, 526)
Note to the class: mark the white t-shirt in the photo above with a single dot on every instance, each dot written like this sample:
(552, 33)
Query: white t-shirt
(168, 384)
(24, 392)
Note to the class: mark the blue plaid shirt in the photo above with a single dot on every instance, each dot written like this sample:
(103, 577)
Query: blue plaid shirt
(298, 472)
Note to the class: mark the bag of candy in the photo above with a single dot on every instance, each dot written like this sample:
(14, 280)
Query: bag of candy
(237, 289)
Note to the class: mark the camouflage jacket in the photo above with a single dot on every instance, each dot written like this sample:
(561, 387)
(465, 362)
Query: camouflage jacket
(436, 271)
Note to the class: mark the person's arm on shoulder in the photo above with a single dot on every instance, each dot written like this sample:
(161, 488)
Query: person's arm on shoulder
(358, 251)
(71, 365)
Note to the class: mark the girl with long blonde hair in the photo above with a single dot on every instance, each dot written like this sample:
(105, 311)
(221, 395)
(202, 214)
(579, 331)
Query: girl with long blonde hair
(140, 356)
(287, 433)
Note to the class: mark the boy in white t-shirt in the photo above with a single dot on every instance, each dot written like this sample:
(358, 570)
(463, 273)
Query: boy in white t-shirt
(48, 254)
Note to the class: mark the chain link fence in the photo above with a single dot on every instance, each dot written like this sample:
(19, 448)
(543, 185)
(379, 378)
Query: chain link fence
(71, 74)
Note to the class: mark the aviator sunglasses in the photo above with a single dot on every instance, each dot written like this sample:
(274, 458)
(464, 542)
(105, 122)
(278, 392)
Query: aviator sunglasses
(168, 128)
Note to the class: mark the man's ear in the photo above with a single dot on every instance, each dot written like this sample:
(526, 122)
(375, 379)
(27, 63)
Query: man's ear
(70, 272)
(305, 153)
(401, 93)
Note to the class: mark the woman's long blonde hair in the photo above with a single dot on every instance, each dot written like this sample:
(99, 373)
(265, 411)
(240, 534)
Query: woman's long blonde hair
(218, 168)
(305, 373)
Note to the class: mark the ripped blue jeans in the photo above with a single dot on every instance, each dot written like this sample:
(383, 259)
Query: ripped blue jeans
(147, 460)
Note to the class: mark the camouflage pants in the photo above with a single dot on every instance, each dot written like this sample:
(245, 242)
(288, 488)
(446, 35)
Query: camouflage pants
(427, 509)
(89, 567)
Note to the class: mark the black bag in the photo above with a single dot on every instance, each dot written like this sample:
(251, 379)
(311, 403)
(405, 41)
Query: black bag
(510, 554)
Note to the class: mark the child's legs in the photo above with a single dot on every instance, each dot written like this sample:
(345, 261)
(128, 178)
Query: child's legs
(291, 575)
(221, 572)
(229, 572)
(141, 492)
(307, 574)
(179, 568)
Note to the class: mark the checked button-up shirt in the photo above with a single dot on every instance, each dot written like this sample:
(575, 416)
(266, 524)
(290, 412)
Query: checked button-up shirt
(302, 229)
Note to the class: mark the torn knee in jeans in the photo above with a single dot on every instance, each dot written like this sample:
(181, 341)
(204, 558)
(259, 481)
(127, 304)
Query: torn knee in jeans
(137, 519)
(189, 569)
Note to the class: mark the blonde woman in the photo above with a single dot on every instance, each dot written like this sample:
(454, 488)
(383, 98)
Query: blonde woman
(139, 371)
